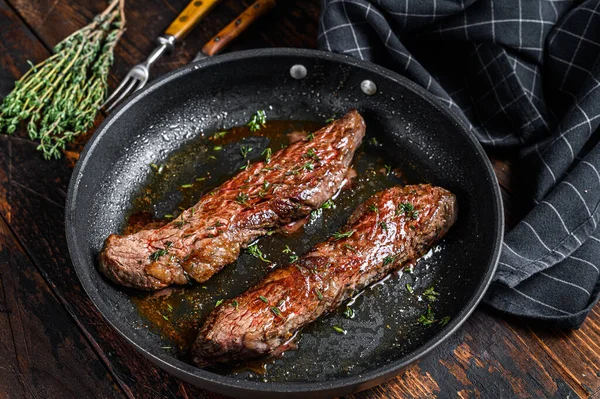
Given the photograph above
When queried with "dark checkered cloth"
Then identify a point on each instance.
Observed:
(525, 76)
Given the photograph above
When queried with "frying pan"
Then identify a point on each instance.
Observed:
(293, 84)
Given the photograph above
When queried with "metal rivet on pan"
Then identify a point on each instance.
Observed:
(368, 87)
(298, 71)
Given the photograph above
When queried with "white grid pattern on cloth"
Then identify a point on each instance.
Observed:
(532, 78)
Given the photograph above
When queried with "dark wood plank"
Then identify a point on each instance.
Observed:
(485, 359)
(46, 244)
(292, 23)
(43, 352)
(488, 357)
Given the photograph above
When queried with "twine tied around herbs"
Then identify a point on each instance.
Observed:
(60, 97)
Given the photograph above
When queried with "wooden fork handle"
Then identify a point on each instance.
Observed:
(237, 26)
(189, 18)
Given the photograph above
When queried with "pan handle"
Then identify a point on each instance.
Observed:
(189, 18)
(237, 26)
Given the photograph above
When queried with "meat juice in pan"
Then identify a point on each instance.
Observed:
(383, 321)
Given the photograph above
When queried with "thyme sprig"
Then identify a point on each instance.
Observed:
(59, 98)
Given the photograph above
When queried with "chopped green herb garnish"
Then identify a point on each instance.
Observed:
(169, 307)
(327, 204)
(219, 135)
(220, 301)
(373, 208)
(388, 259)
(431, 294)
(169, 216)
(200, 178)
(158, 168)
(383, 225)
(373, 141)
(293, 258)
(212, 157)
(428, 318)
(235, 304)
(409, 288)
(186, 185)
(276, 310)
(244, 150)
(308, 166)
(444, 321)
(329, 120)
(312, 154)
(179, 223)
(217, 148)
(388, 169)
(350, 247)
(319, 295)
(157, 254)
(262, 298)
(257, 121)
(165, 317)
(257, 253)
(339, 329)
(265, 189)
(310, 136)
(241, 198)
(267, 153)
(406, 208)
(337, 235)
(244, 167)
(349, 312)
(287, 250)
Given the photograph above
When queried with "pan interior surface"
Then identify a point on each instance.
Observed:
(413, 132)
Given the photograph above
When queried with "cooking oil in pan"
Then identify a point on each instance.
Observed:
(373, 328)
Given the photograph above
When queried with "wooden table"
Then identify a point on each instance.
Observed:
(54, 343)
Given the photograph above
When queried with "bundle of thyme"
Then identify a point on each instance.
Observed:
(60, 97)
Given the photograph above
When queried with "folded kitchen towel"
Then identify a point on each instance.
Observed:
(525, 77)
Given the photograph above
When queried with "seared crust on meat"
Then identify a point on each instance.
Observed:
(263, 197)
(391, 229)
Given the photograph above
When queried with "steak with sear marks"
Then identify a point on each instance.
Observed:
(265, 196)
(388, 231)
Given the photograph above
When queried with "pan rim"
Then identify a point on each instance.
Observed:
(227, 384)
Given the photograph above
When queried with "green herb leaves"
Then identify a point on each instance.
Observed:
(428, 318)
(349, 312)
(257, 253)
(388, 259)
(242, 198)
(339, 330)
(60, 97)
(245, 149)
(319, 295)
(267, 152)
(161, 252)
(406, 208)
(337, 235)
(257, 121)
(431, 294)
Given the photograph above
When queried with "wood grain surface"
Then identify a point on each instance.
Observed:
(55, 344)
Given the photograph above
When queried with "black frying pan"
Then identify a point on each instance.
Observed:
(417, 133)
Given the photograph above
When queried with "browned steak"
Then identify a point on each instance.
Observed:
(391, 229)
(265, 196)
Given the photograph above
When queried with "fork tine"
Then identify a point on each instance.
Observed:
(125, 93)
(117, 90)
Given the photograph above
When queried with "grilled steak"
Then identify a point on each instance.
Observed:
(391, 229)
(265, 196)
